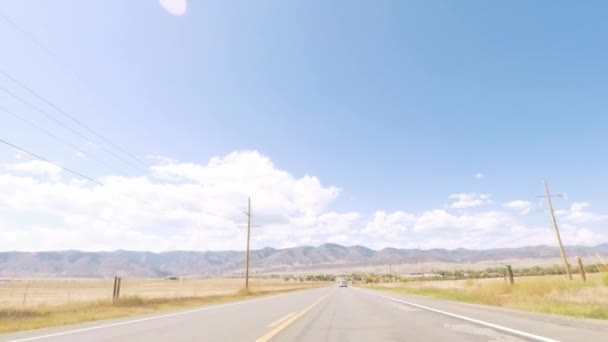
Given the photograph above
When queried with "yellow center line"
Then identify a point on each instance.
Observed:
(280, 320)
(273, 332)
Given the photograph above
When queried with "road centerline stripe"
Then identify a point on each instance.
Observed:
(281, 320)
(465, 318)
(273, 332)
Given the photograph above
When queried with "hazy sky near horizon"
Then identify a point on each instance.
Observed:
(392, 123)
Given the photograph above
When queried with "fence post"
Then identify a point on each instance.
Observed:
(27, 287)
(510, 272)
(118, 288)
(114, 291)
(581, 268)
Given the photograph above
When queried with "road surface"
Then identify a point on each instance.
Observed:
(333, 314)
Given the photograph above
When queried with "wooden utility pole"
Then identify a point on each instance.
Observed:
(249, 226)
(559, 238)
(116, 292)
(581, 268)
(421, 264)
(510, 274)
(248, 238)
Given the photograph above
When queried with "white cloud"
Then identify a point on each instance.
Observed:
(469, 200)
(574, 235)
(175, 7)
(191, 206)
(479, 175)
(523, 207)
(37, 168)
(199, 209)
(579, 206)
(579, 215)
(571, 235)
(442, 220)
(310, 229)
(388, 227)
(336, 223)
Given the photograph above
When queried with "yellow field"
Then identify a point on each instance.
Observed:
(20, 293)
(550, 294)
(37, 303)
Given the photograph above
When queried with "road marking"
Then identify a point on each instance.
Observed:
(139, 320)
(405, 308)
(465, 318)
(272, 333)
(491, 334)
(280, 320)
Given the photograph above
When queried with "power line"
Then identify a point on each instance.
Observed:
(33, 39)
(126, 195)
(48, 161)
(65, 66)
(523, 237)
(65, 142)
(48, 51)
(75, 120)
(59, 122)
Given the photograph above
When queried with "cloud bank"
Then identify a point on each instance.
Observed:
(190, 206)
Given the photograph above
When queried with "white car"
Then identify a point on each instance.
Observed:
(342, 283)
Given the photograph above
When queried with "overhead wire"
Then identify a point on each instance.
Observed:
(75, 132)
(74, 172)
(65, 66)
(63, 141)
(522, 237)
(59, 122)
(72, 118)
(48, 161)
(34, 40)
(101, 138)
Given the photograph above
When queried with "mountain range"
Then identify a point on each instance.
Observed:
(73, 263)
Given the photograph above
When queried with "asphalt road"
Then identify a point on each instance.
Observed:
(333, 314)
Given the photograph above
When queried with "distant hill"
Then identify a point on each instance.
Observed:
(147, 264)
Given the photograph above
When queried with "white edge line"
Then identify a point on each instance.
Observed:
(473, 320)
(70, 332)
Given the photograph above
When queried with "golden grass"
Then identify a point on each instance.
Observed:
(549, 294)
(59, 291)
(156, 295)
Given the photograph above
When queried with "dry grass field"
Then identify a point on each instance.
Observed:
(19, 293)
(37, 303)
(406, 268)
(549, 294)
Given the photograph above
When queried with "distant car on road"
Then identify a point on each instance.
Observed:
(342, 283)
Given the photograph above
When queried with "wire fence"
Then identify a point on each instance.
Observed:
(22, 292)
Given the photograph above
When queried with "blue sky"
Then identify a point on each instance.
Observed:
(396, 103)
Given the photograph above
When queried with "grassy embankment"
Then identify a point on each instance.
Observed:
(41, 315)
(548, 294)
